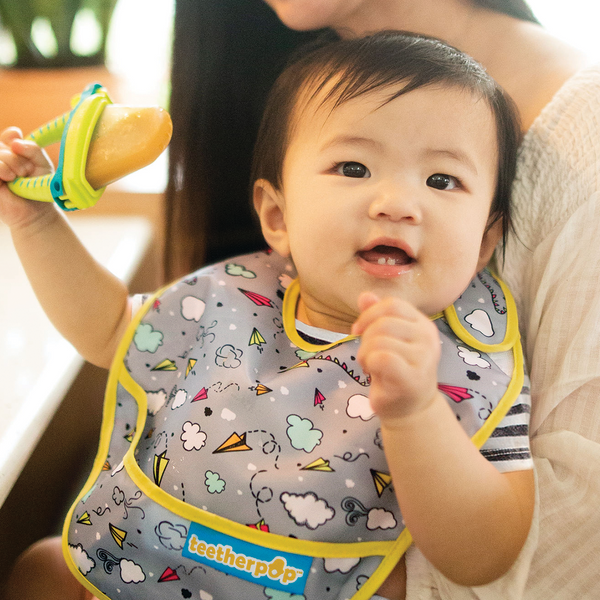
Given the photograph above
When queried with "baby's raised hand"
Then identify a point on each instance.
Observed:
(400, 350)
(20, 158)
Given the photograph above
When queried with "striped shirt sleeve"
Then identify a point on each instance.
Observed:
(508, 446)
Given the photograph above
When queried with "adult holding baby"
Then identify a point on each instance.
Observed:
(551, 263)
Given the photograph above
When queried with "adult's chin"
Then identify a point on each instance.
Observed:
(306, 15)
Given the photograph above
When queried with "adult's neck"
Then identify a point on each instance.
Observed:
(528, 62)
(457, 22)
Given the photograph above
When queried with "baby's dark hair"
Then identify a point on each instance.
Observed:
(402, 62)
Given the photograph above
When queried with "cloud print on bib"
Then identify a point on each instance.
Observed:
(302, 434)
(146, 339)
(131, 572)
(473, 358)
(480, 321)
(307, 509)
(192, 437)
(80, 557)
(359, 406)
(192, 308)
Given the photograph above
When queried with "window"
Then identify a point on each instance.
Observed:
(575, 22)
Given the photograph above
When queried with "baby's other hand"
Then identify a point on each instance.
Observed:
(400, 350)
(20, 158)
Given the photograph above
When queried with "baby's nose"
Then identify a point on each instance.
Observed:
(396, 202)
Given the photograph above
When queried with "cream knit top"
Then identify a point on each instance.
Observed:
(553, 269)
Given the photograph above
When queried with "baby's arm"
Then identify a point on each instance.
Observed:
(469, 520)
(85, 302)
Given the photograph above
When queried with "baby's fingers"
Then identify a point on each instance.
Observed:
(366, 300)
(21, 158)
(372, 348)
(9, 162)
(35, 158)
(373, 309)
(10, 134)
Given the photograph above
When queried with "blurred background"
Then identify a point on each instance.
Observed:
(138, 34)
(49, 50)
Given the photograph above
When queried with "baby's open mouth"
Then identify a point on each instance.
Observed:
(386, 255)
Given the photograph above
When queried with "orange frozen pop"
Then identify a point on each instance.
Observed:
(126, 139)
(100, 143)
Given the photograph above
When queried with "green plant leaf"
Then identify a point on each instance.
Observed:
(18, 17)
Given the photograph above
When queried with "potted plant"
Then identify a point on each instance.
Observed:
(57, 33)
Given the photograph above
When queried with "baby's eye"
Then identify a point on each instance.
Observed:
(353, 169)
(439, 181)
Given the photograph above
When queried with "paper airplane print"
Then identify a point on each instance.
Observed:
(256, 339)
(234, 443)
(165, 365)
(257, 298)
(168, 575)
(458, 394)
(261, 389)
(191, 364)
(319, 398)
(319, 465)
(302, 363)
(160, 464)
(84, 519)
(201, 395)
(381, 480)
(118, 534)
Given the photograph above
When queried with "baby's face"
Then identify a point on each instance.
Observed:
(394, 199)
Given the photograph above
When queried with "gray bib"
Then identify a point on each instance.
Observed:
(238, 460)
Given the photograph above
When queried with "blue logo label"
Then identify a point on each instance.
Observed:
(278, 570)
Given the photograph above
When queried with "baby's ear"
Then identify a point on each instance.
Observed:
(270, 207)
(491, 237)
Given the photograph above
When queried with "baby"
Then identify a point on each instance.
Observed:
(278, 423)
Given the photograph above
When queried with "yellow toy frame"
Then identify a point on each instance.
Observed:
(68, 186)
